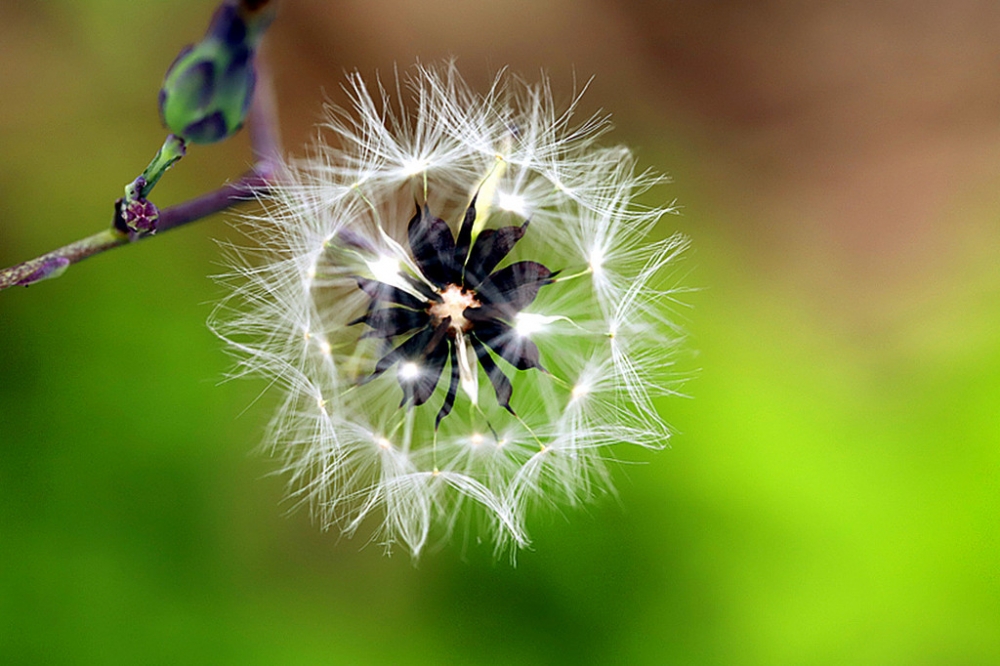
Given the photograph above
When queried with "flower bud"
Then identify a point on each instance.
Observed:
(48, 268)
(207, 91)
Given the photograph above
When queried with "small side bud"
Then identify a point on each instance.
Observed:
(49, 268)
(207, 91)
(133, 212)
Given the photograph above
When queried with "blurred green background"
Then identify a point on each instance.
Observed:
(832, 497)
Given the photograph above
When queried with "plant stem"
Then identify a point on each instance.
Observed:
(54, 263)
(262, 124)
(172, 150)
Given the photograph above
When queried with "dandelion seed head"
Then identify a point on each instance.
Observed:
(436, 251)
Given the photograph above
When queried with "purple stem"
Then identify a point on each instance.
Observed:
(253, 183)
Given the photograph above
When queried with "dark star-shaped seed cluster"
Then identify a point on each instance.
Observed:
(463, 296)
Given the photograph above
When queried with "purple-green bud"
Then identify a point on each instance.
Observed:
(207, 91)
(49, 268)
(138, 214)
(141, 216)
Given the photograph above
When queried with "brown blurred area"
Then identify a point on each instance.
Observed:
(850, 150)
(867, 120)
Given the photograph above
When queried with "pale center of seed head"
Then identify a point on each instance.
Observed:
(454, 301)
